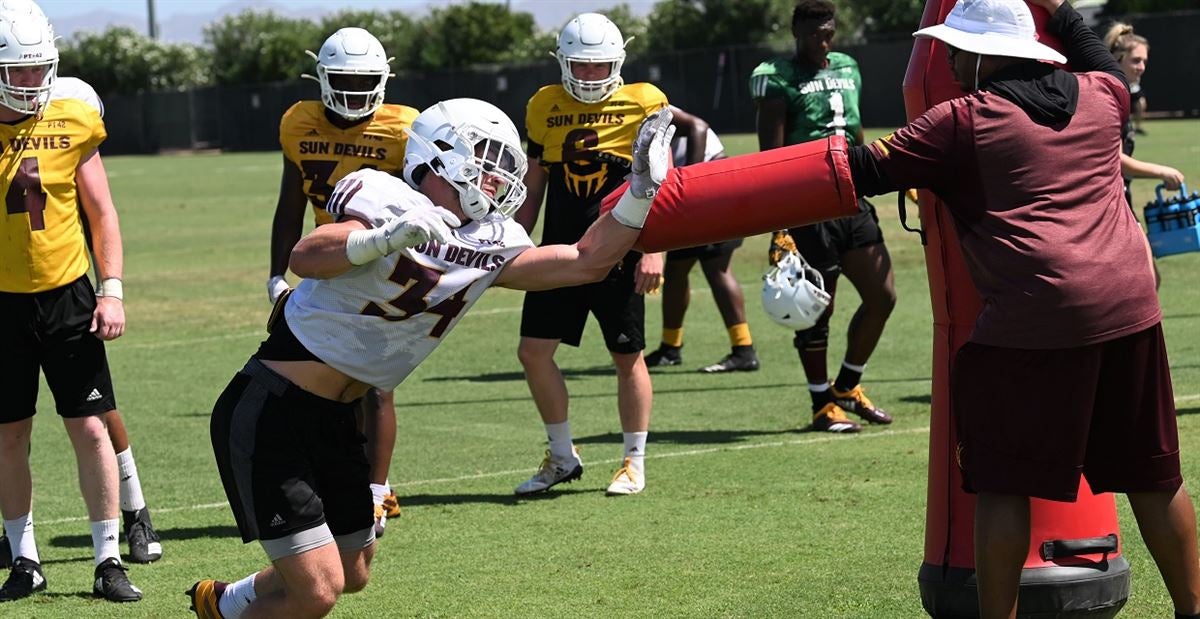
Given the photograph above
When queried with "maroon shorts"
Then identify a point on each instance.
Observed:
(1030, 421)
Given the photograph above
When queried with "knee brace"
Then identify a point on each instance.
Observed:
(815, 339)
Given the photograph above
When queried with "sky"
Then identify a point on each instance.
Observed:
(184, 20)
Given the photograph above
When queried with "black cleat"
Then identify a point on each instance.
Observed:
(5, 553)
(113, 585)
(665, 355)
(24, 580)
(741, 359)
(144, 544)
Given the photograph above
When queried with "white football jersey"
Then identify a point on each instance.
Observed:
(378, 321)
(712, 148)
(75, 88)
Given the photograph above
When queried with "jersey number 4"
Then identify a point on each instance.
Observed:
(25, 194)
(418, 281)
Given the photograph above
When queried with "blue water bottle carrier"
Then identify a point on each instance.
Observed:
(1173, 223)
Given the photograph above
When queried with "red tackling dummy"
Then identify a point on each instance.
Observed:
(709, 202)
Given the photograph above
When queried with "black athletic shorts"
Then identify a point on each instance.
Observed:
(823, 244)
(704, 252)
(561, 314)
(291, 462)
(49, 331)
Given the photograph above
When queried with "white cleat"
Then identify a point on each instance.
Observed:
(627, 480)
(552, 472)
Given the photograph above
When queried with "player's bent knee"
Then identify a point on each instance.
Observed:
(814, 339)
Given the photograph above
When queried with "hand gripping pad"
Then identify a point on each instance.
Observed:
(747, 195)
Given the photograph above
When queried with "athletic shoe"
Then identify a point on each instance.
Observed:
(831, 418)
(391, 505)
(553, 472)
(380, 520)
(626, 480)
(741, 359)
(857, 402)
(665, 355)
(144, 544)
(5, 553)
(112, 584)
(24, 579)
(205, 596)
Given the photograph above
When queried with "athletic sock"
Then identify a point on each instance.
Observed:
(821, 395)
(739, 335)
(559, 435)
(237, 597)
(131, 487)
(20, 537)
(104, 540)
(378, 491)
(635, 449)
(673, 337)
(849, 376)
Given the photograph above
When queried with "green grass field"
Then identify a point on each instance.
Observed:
(743, 515)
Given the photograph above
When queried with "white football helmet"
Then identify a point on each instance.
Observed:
(352, 70)
(474, 146)
(28, 57)
(591, 38)
(793, 293)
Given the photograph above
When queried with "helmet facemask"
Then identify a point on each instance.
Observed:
(591, 38)
(351, 93)
(477, 164)
(31, 99)
(591, 91)
(794, 294)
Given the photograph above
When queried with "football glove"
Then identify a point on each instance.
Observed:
(411, 228)
(651, 160)
(782, 244)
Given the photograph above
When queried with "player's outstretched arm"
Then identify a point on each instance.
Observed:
(335, 248)
(287, 226)
(613, 234)
(91, 180)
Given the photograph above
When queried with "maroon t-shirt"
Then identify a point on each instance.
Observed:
(1051, 246)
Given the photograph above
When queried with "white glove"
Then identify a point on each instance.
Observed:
(411, 228)
(276, 286)
(651, 160)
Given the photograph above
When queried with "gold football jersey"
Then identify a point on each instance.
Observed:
(42, 245)
(325, 153)
(585, 140)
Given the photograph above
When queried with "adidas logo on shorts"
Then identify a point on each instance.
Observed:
(277, 521)
(94, 395)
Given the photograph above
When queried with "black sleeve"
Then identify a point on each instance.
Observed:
(533, 150)
(869, 178)
(1084, 50)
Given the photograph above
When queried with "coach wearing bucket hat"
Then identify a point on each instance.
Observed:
(1066, 370)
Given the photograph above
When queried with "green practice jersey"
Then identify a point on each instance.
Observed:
(820, 103)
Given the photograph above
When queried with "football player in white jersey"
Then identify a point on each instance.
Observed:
(383, 285)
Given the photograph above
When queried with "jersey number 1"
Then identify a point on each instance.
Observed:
(25, 194)
(418, 281)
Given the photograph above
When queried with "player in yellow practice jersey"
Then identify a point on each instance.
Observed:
(349, 129)
(53, 319)
(581, 139)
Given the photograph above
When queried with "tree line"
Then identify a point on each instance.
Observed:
(258, 47)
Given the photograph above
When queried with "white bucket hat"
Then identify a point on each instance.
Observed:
(992, 28)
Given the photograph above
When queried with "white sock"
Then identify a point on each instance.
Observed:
(237, 597)
(559, 435)
(387, 485)
(377, 493)
(857, 368)
(131, 486)
(635, 449)
(20, 537)
(104, 540)
(815, 388)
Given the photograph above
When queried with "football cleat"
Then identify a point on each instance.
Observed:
(112, 584)
(144, 543)
(741, 359)
(553, 472)
(380, 520)
(831, 418)
(665, 355)
(391, 505)
(857, 402)
(24, 579)
(627, 480)
(5, 553)
(206, 596)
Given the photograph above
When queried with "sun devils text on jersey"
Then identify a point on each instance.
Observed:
(403, 304)
(325, 153)
(41, 236)
(586, 147)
